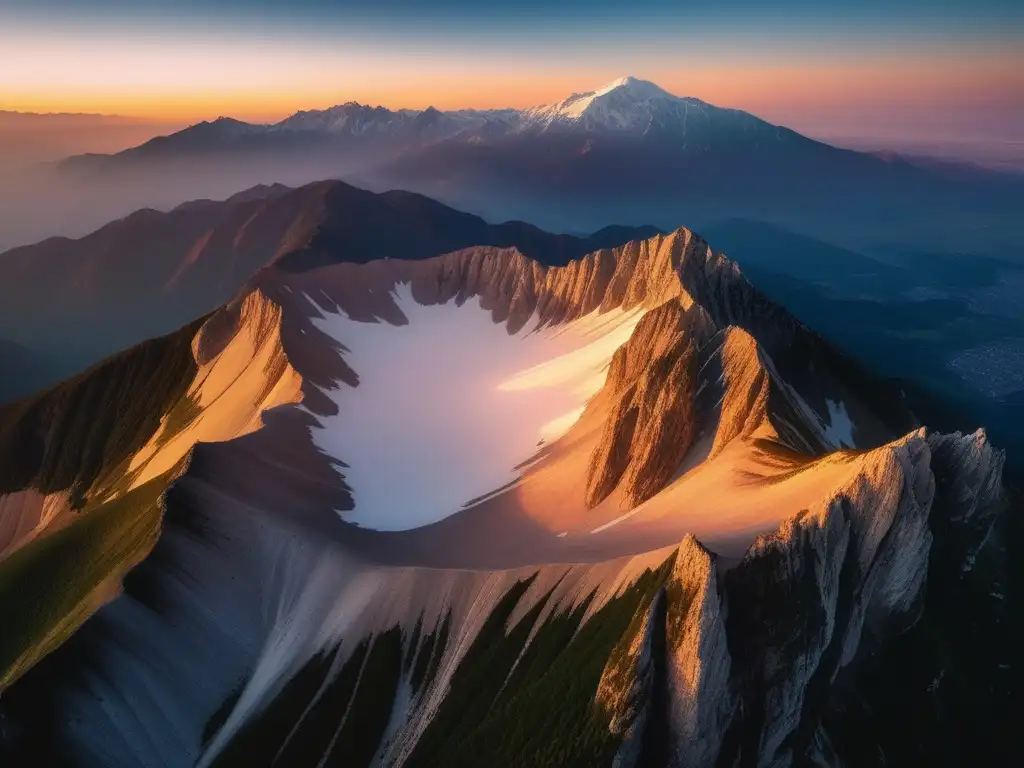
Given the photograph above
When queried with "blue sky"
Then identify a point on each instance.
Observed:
(894, 20)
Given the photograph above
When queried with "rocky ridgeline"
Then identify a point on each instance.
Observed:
(739, 670)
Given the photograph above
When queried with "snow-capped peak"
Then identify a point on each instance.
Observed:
(627, 103)
(635, 88)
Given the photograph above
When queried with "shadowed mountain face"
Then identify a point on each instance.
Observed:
(475, 509)
(22, 370)
(627, 152)
(942, 324)
(74, 301)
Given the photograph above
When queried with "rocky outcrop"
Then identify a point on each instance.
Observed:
(804, 599)
(704, 330)
(626, 688)
(969, 471)
(638, 371)
(697, 664)
(242, 373)
(651, 428)
(515, 288)
(748, 662)
(737, 375)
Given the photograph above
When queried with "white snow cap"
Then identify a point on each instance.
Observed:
(626, 103)
(626, 89)
(635, 87)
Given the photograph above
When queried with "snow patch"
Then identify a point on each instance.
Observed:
(449, 405)
(839, 430)
(627, 103)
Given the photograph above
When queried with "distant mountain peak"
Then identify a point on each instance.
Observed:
(622, 103)
(627, 103)
(635, 87)
(229, 122)
(225, 126)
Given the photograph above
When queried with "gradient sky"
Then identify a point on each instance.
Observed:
(938, 68)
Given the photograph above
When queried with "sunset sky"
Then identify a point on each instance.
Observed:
(937, 68)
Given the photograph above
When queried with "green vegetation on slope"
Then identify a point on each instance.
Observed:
(370, 710)
(260, 739)
(429, 656)
(76, 437)
(319, 727)
(317, 716)
(508, 703)
(185, 411)
(84, 429)
(49, 587)
(544, 713)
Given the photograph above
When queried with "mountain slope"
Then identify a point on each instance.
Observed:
(148, 273)
(645, 518)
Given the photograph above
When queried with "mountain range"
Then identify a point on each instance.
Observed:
(925, 318)
(27, 138)
(476, 509)
(618, 153)
(628, 106)
(315, 475)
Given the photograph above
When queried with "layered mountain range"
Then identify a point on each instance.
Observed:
(628, 151)
(626, 105)
(479, 509)
(150, 272)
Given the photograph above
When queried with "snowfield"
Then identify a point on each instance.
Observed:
(451, 405)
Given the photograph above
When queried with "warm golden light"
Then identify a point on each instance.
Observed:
(170, 78)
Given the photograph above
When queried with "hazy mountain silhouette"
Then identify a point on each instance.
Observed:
(21, 371)
(625, 150)
(152, 271)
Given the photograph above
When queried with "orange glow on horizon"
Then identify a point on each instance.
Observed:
(263, 83)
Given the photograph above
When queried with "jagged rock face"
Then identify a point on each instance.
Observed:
(653, 423)
(627, 684)
(621, 512)
(700, 700)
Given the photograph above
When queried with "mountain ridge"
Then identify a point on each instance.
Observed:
(624, 152)
(354, 118)
(152, 271)
(286, 598)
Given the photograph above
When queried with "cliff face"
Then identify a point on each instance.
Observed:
(652, 423)
(693, 569)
